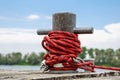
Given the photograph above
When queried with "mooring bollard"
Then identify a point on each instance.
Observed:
(65, 22)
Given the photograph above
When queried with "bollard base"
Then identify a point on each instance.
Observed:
(62, 71)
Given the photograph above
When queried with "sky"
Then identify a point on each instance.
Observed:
(20, 19)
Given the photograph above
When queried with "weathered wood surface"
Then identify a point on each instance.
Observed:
(101, 78)
(37, 75)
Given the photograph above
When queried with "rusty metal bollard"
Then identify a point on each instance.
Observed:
(65, 22)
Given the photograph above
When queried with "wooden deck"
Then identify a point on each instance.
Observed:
(37, 75)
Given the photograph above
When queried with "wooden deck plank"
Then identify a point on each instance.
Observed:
(37, 75)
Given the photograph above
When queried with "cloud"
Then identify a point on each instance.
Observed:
(20, 40)
(30, 17)
(113, 28)
(37, 17)
(33, 17)
(104, 38)
(13, 35)
(27, 40)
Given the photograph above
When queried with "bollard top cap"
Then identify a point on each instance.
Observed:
(61, 13)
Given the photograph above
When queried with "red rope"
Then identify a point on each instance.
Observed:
(108, 68)
(63, 47)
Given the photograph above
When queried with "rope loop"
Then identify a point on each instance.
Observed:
(62, 47)
(62, 43)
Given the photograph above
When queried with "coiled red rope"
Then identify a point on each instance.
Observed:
(63, 47)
